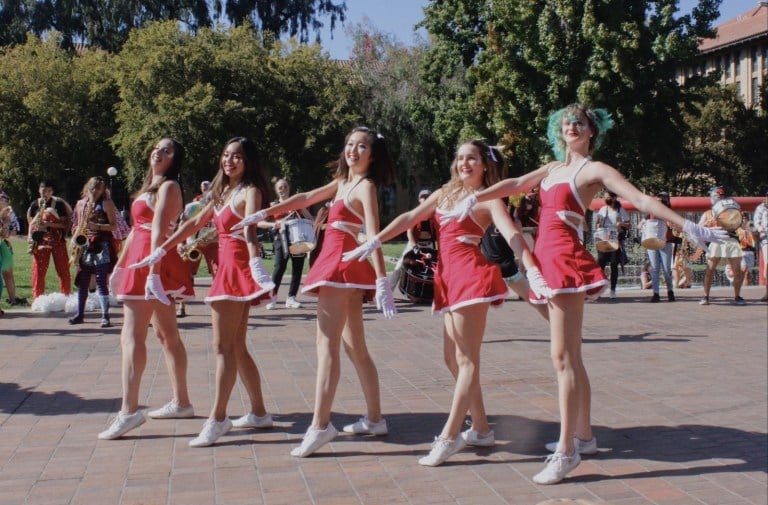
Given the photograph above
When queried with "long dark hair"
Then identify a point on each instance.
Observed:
(382, 170)
(173, 173)
(253, 175)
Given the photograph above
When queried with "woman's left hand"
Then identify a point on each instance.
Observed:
(385, 300)
(537, 283)
(153, 258)
(154, 288)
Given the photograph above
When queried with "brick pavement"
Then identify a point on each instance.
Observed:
(679, 409)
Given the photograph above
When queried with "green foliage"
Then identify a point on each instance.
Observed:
(55, 117)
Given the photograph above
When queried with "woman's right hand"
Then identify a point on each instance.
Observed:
(362, 252)
(154, 289)
(153, 258)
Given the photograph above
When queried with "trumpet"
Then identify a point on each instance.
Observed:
(34, 227)
(192, 251)
(79, 237)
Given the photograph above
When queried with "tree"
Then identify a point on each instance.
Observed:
(292, 17)
(55, 117)
(534, 57)
(206, 88)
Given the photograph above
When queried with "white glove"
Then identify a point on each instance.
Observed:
(385, 300)
(362, 252)
(153, 258)
(154, 287)
(114, 280)
(260, 274)
(537, 283)
(701, 234)
(252, 219)
(460, 211)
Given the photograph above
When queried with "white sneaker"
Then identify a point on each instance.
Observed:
(471, 437)
(364, 426)
(313, 440)
(272, 305)
(442, 449)
(171, 410)
(558, 466)
(122, 424)
(211, 432)
(582, 446)
(613, 294)
(292, 303)
(251, 420)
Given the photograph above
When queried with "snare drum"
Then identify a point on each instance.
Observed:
(654, 234)
(301, 235)
(418, 279)
(727, 212)
(607, 239)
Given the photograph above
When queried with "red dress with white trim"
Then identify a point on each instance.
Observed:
(174, 271)
(566, 265)
(464, 276)
(233, 280)
(340, 236)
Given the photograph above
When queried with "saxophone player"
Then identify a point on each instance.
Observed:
(49, 217)
(95, 218)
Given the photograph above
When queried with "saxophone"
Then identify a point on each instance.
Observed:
(79, 236)
(192, 250)
(34, 227)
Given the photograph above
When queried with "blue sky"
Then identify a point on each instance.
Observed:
(398, 17)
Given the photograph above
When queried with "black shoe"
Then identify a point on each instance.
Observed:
(739, 301)
(20, 301)
(671, 296)
(655, 298)
(76, 320)
(105, 322)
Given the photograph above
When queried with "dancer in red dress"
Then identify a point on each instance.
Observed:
(466, 284)
(363, 165)
(241, 281)
(155, 209)
(569, 270)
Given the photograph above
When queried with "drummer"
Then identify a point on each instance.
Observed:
(280, 243)
(661, 259)
(612, 216)
(729, 250)
(424, 234)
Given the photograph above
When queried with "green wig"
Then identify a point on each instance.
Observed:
(599, 120)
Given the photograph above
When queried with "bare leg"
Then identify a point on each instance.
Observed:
(246, 366)
(709, 275)
(332, 314)
(133, 340)
(227, 318)
(167, 331)
(465, 327)
(353, 337)
(476, 406)
(566, 313)
(738, 277)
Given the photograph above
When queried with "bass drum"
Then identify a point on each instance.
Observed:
(418, 279)
(727, 214)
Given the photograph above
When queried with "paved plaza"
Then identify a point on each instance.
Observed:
(679, 410)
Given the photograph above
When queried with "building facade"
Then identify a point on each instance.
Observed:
(740, 52)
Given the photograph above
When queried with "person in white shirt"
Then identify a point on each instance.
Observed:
(761, 224)
(613, 216)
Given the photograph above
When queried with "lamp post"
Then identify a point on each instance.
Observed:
(111, 172)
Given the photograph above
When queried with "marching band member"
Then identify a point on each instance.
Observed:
(281, 241)
(49, 217)
(146, 293)
(241, 281)
(466, 285)
(363, 166)
(94, 220)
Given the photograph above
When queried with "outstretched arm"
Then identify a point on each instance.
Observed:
(515, 185)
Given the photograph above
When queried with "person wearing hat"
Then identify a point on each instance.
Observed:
(49, 218)
(760, 219)
(729, 250)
